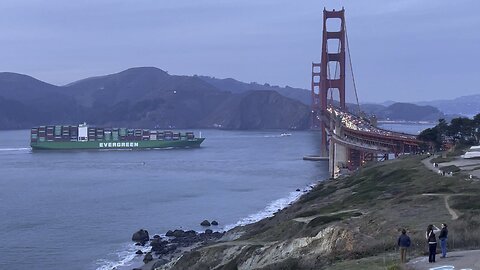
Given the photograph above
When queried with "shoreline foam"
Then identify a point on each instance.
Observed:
(129, 255)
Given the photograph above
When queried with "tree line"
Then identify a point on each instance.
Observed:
(461, 130)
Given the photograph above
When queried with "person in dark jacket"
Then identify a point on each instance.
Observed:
(432, 242)
(443, 240)
(404, 244)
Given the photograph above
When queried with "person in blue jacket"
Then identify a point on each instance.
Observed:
(443, 239)
(404, 243)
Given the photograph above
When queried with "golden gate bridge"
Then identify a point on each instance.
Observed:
(349, 140)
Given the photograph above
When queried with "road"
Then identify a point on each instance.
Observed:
(460, 260)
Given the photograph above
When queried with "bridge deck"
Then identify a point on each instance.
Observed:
(360, 128)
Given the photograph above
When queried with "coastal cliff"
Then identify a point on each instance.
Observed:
(347, 223)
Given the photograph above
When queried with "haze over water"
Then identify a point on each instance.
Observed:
(78, 210)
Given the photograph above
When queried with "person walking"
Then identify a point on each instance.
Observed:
(443, 240)
(404, 244)
(432, 242)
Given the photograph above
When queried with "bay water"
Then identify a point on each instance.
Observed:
(79, 209)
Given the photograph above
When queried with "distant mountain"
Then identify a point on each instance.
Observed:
(465, 105)
(150, 97)
(145, 97)
(403, 112)
(25, 101)
(235, 86)
(426, 110)
(260, 110)
(411, 112)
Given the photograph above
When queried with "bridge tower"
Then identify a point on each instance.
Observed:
(323, 82)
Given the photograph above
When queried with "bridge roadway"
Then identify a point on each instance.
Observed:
(354, 141)
(359, 131)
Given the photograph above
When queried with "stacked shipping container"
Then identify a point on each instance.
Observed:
(71, 133)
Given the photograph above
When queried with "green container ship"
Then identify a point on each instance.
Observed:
(86, 137)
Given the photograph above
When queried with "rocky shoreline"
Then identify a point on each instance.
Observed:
(170, 247)
(175, 243)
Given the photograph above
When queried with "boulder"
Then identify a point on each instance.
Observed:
(156, 236)
(141, 236)
(178, 233)
(155, 242)
(214, 223)
(169, 233)
(139, 252)
(208, 231)
(158, 245)
(297, 189)
(218, 234)
(205, 223)
(148, 257)
(190, 233)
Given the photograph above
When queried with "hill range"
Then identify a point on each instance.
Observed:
(150, 97)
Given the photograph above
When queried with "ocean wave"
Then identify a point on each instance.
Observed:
(127, 255)
(270, 209)
(124, 257)
(16, 149)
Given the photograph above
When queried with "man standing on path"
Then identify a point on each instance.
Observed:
(403, 243)
(443, 240)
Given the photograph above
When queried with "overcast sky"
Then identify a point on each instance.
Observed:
(402, 50)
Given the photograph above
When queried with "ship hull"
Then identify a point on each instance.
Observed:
(106, 145)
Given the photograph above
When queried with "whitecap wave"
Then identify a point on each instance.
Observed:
(124, 257)
(127, 255)
(270, 209)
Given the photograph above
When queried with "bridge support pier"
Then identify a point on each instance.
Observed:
(338, 154)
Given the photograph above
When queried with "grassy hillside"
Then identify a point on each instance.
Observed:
(342, 221)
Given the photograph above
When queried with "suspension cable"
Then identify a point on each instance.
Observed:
(329, 77)
(351, 68)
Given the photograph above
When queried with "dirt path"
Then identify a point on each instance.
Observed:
(429, 165)
(452, 212)
(310, 218)
(468, 166)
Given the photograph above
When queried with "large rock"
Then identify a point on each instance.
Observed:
(141, 236)
(190, 233)
(205, 223)
(148, 257)
(214, 223)
(158, 245)
(218, 234)
(178, 233)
